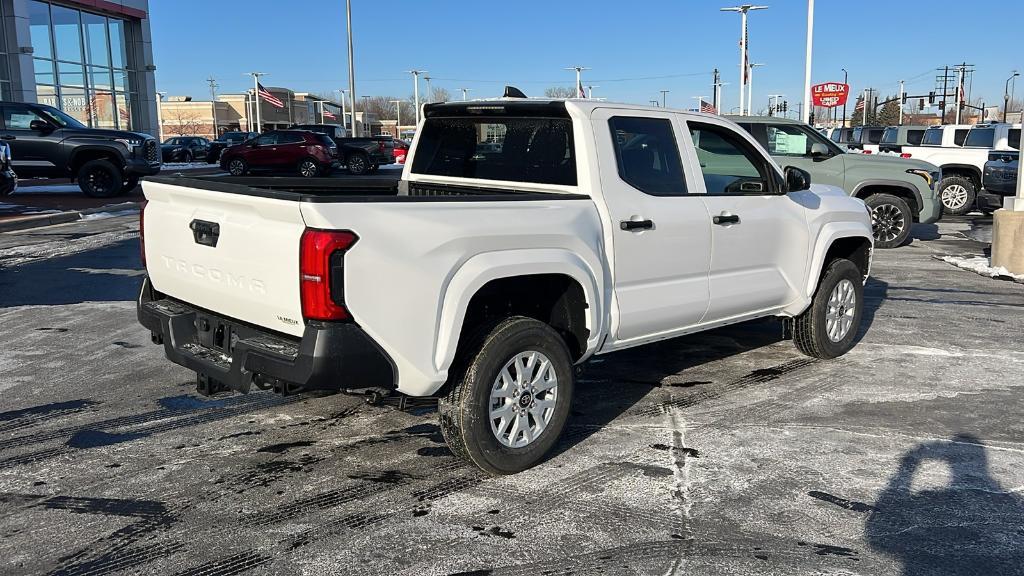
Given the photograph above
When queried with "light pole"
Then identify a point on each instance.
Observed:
(256, 95)
(901, 104)
(160, 116)
(664, 101)
(344, 121)
(430, 93)
(1006, 93)
(464, 92)
(846, 81)
(590, 91)
(366, 124)
(805, 111)
(750, 89)
(398, 118)
(579, 80)
(743, 9)
(351, 68)
(213, 102)
(416, 91)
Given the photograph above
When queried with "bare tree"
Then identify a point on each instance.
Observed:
(560, 92)
(438, 94)
(184, 123)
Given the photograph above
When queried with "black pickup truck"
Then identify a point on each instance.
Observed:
(47, 142)
(360, 155)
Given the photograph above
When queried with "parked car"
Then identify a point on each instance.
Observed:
(841, 136)
(184, 149)
(894, 138)
(898, 192)
(359, 155)
(961, 153)
(46, 142)
(225, 141)
(8, 179)
(673, 223)
(999, 180)
(865, 139)
(307, 153)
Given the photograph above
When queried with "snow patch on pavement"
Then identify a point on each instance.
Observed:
(186, 166)
(51, 189)
(102, 215)
(981, 265)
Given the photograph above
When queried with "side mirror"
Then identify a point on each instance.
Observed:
(818, 150)
(40, 126)
(797, 179)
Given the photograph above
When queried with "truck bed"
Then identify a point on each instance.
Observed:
(353, 189)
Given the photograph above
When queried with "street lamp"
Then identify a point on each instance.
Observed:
(579, 79)
(416, 91)
(465, 91)
(805, 110)
(750, 88)
(590, 91)
(664, 93)
(743, 9)
(159, 116)
(1006, 93)
(398, 118)
(846, 81)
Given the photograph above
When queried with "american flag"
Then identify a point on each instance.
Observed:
(579, 90)
(266, 95)
(329, 115)
(860, 105)
(746, 56)
(707, 107)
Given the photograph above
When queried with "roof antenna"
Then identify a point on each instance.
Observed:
(513, 92)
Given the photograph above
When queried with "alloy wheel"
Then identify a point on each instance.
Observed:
(886, 222)
(954, 197)
(842, 307)
(522, 400)
(308, 168)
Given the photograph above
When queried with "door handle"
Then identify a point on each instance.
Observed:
(725, 219)
(8, 137)
(632, 225)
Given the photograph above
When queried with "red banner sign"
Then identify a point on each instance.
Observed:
(829, 94)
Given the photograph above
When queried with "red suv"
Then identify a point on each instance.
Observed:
(308, 153)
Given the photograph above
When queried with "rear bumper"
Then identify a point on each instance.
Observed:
(329, 356)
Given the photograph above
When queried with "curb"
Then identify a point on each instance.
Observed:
(40, 220)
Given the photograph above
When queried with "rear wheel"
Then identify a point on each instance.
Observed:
(829, 326)
(957, 194)
(891, 220)
(129, 185)
(357, 164)
(187, 157)
(509, 396)
(237, 167)
(100, 179)
(309, 168)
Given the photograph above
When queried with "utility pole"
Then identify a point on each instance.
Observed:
(464, 92)
(743, 9)
(590, 91)
(256, 96)
(416, 91)
(344, 121)
(579, 79)
(864, 119)
(750, 88)
(846, 80)
(1006, 93)
(901, 104)
(398, 118)
(653, 103)
(716, 85)
(430, 93)
(664, 95)
(805, 111)
(351, 66)
(959, 91)
(945, 81)
(213, 102)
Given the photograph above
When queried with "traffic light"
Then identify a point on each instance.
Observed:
(920, 104)
(931, 98)
(904, 99)
(811, 120)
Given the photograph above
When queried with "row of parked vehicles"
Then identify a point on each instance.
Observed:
(966, 155)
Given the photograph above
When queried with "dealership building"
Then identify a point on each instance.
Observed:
(93, 59)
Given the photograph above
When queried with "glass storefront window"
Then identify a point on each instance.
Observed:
(118, 44)
(96, 49)
(71, 75)
(101, 109)
(39, 28)
(67, 33)
(74, 102)
(47, 95)
(99, 78)
(124, 109)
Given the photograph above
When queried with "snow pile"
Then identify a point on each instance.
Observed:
(50, 189)
(186, 165)
(981, 265)
(103, 215)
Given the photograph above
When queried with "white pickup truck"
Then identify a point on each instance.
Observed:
(523, 238)
(961, 152)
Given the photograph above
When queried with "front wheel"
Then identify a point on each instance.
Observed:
(957, 195)
(829, 326)
(100, 179)
(509, 396)
(309, 168)
(890, 220)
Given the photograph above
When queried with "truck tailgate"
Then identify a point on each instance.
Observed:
(236, 255)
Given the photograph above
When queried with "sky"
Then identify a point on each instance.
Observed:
(634, 49)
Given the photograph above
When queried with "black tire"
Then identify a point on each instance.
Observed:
(374, 168)
(810, 329)
(464, 412)
(237, 167)
(100, 179)
(129, 184)
(308, 168)
(958, 195)
(891, 220)
(212, 157)
(357, 164)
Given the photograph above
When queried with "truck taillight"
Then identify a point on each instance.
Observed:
(142, 234)
(905, 155)
(322, 273)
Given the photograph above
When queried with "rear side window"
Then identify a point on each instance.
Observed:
(535, 150)
(960, 136)
(290, 138)
(932, 137)
(914, 137)
(981, 137)
(268, 139)
(1013, 138)
(874, 135)
(890, 136)
(647, 155)
(325, 140)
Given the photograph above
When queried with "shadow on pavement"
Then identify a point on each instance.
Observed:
(973, 525)
(110, 274)
(925, 232)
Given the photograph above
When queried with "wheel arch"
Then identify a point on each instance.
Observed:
(969, 170)
(83, 154)
(840, 240)
(903, 190)
(535, 283)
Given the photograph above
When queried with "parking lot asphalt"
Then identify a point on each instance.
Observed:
(720, 453)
